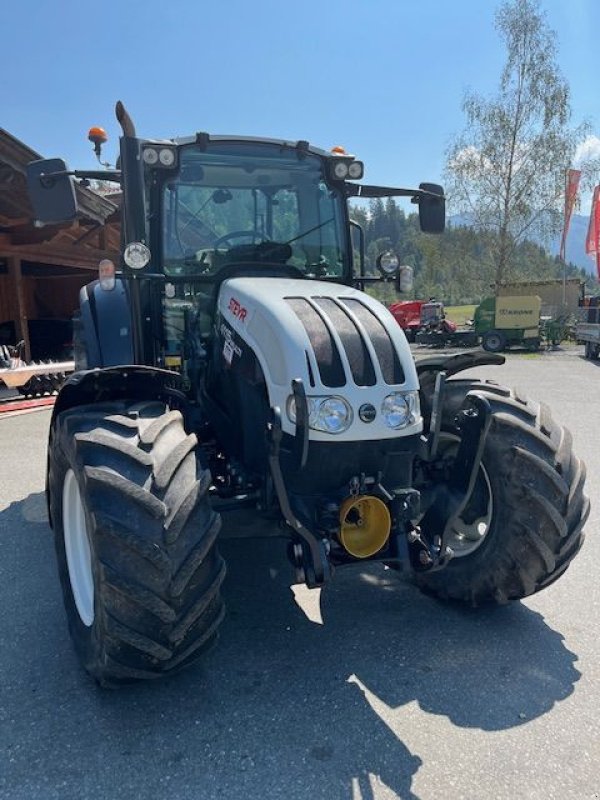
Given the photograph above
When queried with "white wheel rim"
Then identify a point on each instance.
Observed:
(77, 548)
(465, 537)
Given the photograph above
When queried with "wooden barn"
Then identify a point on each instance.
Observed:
(42, 268)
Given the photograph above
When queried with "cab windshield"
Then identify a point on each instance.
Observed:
(252, 203)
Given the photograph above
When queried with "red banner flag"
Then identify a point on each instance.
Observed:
(592, 242)
(571, 186)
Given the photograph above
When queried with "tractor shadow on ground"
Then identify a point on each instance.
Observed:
(594, 362)
(284, 706)
(489, 668)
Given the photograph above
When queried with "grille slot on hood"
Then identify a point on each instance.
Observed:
(360, 334)
(391, 369)
(353, 343)
(323, 343)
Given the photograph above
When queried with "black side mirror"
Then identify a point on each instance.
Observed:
(51, 191)
(432, 208)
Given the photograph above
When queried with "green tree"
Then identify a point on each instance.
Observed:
(506, 171)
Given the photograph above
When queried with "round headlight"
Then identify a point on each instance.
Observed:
(398, 409)
(387, 263)
(150, 156)
(333, 416)
(356, 170)
(327, 414)
(167, 156)
(340, 170)
(136, 255)
(313, 407)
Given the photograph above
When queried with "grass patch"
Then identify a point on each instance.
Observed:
(460, 314)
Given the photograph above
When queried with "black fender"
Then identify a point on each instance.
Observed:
(132, 382)
(106, 325)
(429, 367)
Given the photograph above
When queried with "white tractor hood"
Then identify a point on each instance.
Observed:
(339, 341)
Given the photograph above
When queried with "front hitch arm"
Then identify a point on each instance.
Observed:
(452, 497)
(301, 438)
(316, 565)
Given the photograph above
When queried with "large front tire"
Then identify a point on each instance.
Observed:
(135, 540)
(530, 506)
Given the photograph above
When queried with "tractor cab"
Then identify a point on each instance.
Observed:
(256, 203)
(432, 314)
(201, 209)
(237, 208)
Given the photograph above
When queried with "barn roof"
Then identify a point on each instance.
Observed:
(81, 243)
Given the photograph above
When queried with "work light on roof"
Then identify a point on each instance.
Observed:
(166, 156)
(356, 170)
(340, 170)
(345, 167)
(159, 156)
(150, 156)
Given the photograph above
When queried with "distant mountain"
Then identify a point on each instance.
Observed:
(575, 250)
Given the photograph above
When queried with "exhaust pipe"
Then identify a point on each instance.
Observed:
(124, 120)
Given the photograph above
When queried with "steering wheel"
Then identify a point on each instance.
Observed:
(253, 235)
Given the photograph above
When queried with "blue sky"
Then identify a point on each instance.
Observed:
(385, 78)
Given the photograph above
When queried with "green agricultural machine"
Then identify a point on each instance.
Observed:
(504, 322)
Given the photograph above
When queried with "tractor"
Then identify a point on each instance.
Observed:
(230, 366)
(407, 314)
(438, 331)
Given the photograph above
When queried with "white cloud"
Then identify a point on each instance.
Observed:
(469, 158)
(587, 150)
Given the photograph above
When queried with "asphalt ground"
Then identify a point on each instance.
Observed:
(393, 695)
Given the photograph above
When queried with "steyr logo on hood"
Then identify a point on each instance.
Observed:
(237, 309)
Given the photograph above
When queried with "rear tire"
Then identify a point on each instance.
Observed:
(133, 526)
(591, 351)
(537, 508)
(588, 350)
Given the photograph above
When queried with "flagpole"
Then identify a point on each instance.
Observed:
(572, 177)
(592, 241)
(563, 243)
(565, 216)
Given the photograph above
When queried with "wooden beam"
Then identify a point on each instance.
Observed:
(80, 258)
(7, 222)
(91, 274)
(89, 234)
(16, 284)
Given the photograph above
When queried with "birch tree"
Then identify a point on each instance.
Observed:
(506, 171)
